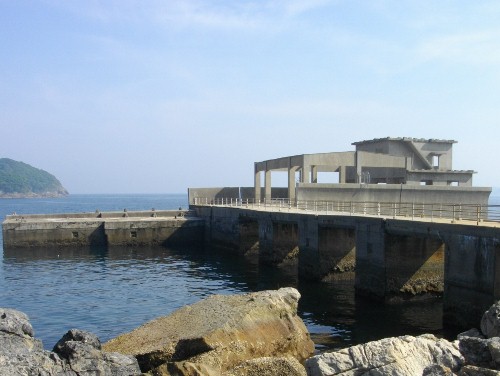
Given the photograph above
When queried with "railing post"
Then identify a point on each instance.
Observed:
(378, 209)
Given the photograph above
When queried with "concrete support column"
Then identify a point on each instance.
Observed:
(265, 239)
(342, 175)
(267, 183)
(305, 174)
(370, 258)
(257, 187)
(472, 277)
(291, 183)
(314, 178)
(359, 167)
(309, 258)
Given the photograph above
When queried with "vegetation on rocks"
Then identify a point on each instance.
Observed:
(18, 179)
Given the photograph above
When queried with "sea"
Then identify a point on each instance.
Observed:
(112, 291)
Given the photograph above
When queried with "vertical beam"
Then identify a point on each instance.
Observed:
(342, 175)
(257, 186)
(472, 277)
(314, 173)
(305, 174)
(267, 183)
(370, 258)
(291, 183)
(359, 166)
(309, 259)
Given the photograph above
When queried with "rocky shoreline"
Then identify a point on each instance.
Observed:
(242, 335)
(35, 195)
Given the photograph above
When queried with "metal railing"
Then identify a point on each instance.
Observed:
(415, 211)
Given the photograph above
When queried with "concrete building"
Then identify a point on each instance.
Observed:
(387, 161)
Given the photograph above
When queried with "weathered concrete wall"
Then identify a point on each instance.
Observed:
(370, 258)
(77, 233)
(280, 241)
(337, 252)
(244, 193)
(393, 193)
(249, 236)
(154, 232)
(472, 276)
(414, 264)
(87, 230)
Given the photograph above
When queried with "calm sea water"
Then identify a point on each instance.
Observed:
(109, 292)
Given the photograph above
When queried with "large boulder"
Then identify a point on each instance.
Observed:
(77, 353)
(490, 322)
(219, 333)
(404, 355)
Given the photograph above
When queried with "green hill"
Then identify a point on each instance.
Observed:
(18, 179)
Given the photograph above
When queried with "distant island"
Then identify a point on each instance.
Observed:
(20, 180)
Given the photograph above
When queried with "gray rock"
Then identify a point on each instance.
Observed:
(477, 371)
(475, 351)
(475, 333)
(494, 348)
(490, 322)
(405, 355)
(78, 353)
(20, 353)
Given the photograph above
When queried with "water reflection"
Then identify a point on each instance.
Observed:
(110, 291)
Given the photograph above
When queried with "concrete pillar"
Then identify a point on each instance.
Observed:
(267, 183)
(257, 186)
(359, 167)
(472, 277)
(309, 259)
(342, 174)
(370, 258)
(305, 174)
(314, 177)
(291, 184)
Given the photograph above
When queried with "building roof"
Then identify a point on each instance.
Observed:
(406, 139)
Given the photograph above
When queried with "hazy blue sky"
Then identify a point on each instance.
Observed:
(156, 96)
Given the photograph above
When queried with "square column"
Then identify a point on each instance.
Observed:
(291, 184)
(305, 174)
(314, 178)
(256, 184)
(267, 183)
(342, 175)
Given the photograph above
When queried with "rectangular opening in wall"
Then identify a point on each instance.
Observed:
(329, 177)
(133, 234)
(453, 183)
(75, 234)
(435, 161)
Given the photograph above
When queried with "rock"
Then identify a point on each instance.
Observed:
(82, 350)
(20, 353)
(477, 371)
(475, 351)
(404, 355)
(219, 333)
(279, 366)
(77, 353)
(490, 322)
(475, 333)
(437, 370)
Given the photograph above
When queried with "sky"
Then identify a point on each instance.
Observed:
(151, 96)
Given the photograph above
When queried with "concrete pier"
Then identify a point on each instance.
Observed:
(387, 257)
(102, 229)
